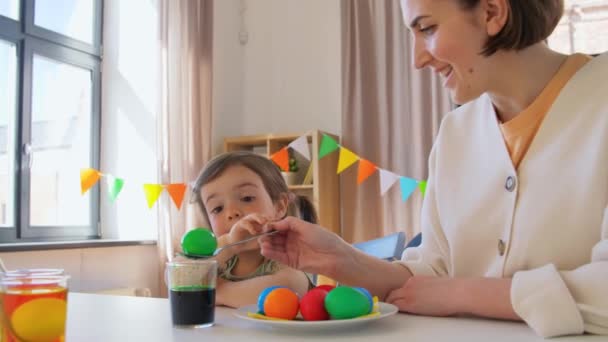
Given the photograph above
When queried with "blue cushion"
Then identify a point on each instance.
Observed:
(387, 247)
(415, 241)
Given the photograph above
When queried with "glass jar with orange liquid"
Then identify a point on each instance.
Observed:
(26, 272)
(33, 307)
(20, 273)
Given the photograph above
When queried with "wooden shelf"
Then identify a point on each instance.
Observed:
(301, 187)
(324, 176)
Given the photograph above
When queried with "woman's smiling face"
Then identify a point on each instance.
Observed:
(449, 40)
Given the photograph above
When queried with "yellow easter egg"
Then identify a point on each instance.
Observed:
(40, 320)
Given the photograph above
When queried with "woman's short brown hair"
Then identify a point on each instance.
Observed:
(529, 22)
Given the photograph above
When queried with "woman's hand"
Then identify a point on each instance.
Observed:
(303, 246)
(429, 296)
(436, 296)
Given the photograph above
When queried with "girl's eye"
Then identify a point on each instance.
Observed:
(248, 198)
(216, 210)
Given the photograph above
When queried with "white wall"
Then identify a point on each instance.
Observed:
(95, 269)
(227, 71)
(287, 77)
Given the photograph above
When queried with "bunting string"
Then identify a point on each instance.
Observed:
(347, 158)
(366, 168)
(89, 177)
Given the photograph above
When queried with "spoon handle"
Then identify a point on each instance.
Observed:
(219, 250)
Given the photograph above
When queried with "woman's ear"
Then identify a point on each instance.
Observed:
(496, 15)
(282, 205)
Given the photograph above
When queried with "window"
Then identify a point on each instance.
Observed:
(583, 28)
(50, 73)
(10, 9)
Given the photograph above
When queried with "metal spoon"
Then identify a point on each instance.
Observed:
(221, 249)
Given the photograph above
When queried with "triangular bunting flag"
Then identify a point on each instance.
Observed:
(366, 169)
(328, 145)
(301, 146)
(152, 191)
(387, 179)
(281, 158)
(88, 178)
(422, 187)
(347, 158)
(114, 187)
(177, 191)
(408, 186)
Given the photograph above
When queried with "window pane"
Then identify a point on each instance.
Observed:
(8, 85)
(61, 143)
(10, 8)
(583, 28)
(73, 18)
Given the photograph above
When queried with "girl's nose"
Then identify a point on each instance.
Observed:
(234, 214)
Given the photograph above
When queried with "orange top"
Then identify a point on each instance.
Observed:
(520, 131)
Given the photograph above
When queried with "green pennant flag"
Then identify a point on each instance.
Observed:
(328, 145)
(422, 187)
(114, 187)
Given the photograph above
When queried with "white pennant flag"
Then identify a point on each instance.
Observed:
(301, 146)
(387, 179)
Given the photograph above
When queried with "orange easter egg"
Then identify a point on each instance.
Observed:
(281, 303)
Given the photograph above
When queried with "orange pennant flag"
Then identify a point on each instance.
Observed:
(177, 191)
(281, 158)
(366, 169)
(88, 178)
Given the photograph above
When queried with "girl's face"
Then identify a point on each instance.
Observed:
(235, 193)
(449, 40)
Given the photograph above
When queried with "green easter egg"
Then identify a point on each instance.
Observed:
(345, 302)
(199, 241)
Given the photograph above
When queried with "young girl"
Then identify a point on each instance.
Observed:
(239, 193)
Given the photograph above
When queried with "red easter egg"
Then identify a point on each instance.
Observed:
(281, 303)
(312, 305)
(325, 287)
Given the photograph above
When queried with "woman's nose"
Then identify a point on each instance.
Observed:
(421, 56)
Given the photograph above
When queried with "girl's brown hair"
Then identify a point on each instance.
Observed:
(529, 22)
(269, 173)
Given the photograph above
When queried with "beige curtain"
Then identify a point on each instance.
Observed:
(391, 114)
(184, 133)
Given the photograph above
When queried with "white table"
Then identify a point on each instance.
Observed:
(93, 317)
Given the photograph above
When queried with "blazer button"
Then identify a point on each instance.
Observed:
(501, 247)
(510, 183)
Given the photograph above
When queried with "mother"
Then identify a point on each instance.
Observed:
(515, 218)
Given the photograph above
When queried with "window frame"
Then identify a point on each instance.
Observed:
(46, 34)
(9, 232)
(31, 40)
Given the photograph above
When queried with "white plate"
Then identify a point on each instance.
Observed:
(386, 310)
